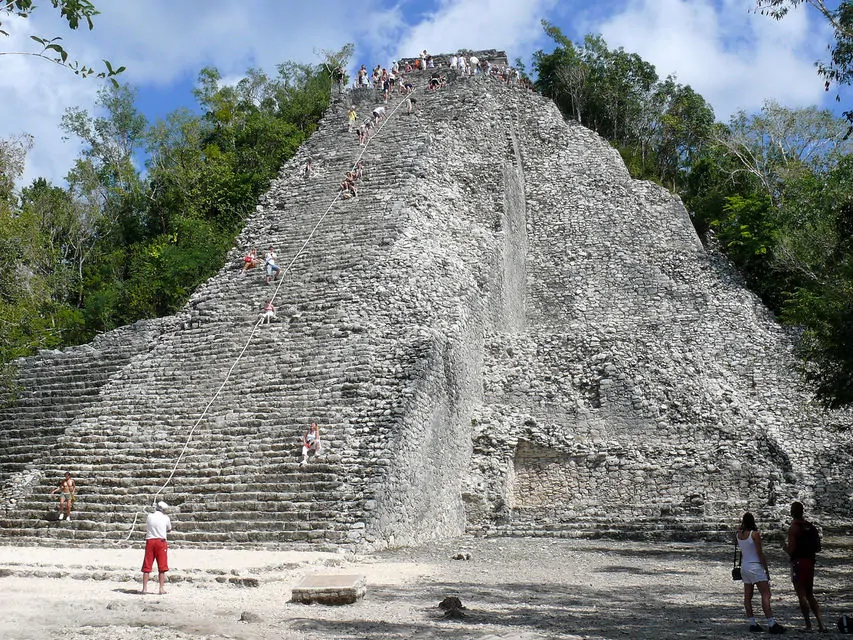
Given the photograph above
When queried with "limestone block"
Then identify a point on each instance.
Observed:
(330, 589)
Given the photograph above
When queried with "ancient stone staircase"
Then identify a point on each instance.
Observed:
(239, 480)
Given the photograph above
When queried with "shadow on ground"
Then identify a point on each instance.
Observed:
(680, 593)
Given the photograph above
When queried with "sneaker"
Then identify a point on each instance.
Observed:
(62, 516)
(68, 519)
(756, 627)
(776, 628)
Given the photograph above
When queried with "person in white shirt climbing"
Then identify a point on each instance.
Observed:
(272, 268)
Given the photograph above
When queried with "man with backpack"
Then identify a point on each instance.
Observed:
(803, 544)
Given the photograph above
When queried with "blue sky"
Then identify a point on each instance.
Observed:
(734, 58)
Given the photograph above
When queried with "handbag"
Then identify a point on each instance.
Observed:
(736, 563)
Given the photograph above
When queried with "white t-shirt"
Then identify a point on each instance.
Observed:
(157, 525)
(379, 111)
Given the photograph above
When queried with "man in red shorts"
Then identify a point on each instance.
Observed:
(803, 544)
(157, 526)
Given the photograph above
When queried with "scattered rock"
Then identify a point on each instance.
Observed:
(449, 603)
(248, 616)
(244, 582)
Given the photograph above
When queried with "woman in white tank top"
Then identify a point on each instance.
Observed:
(754, 573)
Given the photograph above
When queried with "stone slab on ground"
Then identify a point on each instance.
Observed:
(330, 589)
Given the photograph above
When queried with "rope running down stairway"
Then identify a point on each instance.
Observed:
(255, 327)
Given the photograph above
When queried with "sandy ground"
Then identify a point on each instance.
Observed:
(511, 588)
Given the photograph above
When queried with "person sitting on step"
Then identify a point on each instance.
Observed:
(250, 260)
(310, 442)
(348, 186)
(268, 314)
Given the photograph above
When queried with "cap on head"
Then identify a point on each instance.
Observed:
(162, 506)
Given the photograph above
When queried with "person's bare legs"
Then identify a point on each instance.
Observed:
(764, 590)
(145, 583)
(748, 590)
(162, 582)
(61, 507)
(808, 602)
(68, 509)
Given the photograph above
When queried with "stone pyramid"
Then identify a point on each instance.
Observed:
(503, 334)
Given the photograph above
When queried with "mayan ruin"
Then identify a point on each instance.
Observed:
(487, 344)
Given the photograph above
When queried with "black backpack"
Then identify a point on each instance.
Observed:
(809, 542)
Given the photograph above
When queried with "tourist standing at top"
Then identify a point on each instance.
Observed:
(67, 495)
(754, 573)
(803, 544)
(157, 525)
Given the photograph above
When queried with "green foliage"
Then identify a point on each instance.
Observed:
(747, 231)
(335, 63)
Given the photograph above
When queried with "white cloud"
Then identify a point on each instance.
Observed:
(734, 58)
(511, 25)
(35, 94)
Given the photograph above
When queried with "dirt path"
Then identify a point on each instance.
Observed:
(512, 588)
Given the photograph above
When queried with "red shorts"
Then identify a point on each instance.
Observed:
(155, 549)
(802, 572)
